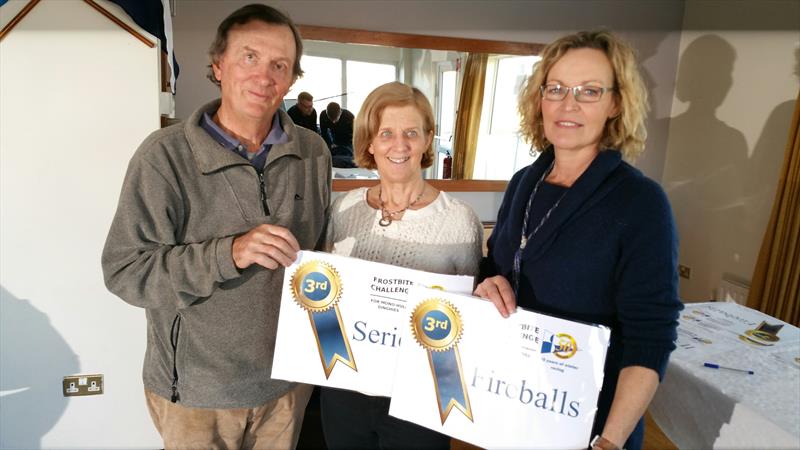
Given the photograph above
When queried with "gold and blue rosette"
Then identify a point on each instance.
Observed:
(317, 288)
(437, 327)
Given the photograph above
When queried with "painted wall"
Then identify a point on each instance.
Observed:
(734, 98)
(78, 96)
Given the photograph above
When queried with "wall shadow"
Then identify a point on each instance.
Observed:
(766, 161)
(33, 359)
(706, 162)
(653, 50)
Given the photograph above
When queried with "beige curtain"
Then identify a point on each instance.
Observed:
(775, 289)
(465, 137)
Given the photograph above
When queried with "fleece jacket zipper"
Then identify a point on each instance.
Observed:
(173, 338)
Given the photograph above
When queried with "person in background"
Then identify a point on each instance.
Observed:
(403, 221)
(336, 127)
(583, 235)
(210, 213)
(303, 113)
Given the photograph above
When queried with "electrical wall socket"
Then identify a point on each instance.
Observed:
(684, 271)
(75, 385)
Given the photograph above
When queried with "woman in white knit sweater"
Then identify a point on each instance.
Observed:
(402, 221)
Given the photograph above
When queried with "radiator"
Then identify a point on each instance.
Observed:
(732, 290)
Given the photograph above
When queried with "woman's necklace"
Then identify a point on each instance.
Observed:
(386, 215)
(525, 238)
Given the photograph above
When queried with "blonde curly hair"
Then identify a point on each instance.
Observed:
(625, 131)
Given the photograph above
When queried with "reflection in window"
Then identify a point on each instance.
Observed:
(501, 151)
(446, 118)
(322, 79)
(363, 78)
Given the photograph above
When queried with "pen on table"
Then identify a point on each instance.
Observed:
(717, 366)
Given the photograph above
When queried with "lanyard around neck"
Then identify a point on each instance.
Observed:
(523, 242)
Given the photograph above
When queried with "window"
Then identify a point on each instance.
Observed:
(446, 115)
(363, 78)
(322, 79)
(501, 151)
(328, 79)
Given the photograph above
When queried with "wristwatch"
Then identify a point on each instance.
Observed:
(601, 443)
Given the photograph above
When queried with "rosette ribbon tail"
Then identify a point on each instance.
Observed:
(449, 383)
(331, 341)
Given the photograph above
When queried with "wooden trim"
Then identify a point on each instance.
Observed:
(470, 185)
(351, 36)
(17, 19)
(343, 185)
(121, 24)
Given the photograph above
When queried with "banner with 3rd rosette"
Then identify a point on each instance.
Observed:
(472, 373)
(341, 320)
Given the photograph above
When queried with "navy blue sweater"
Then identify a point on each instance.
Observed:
(606, 255)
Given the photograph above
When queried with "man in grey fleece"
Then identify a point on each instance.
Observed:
(211, 211)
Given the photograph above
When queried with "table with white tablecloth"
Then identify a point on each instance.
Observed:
(700, 407)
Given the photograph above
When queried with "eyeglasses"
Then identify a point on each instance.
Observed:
(582, 94)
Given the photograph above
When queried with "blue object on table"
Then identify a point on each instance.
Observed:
(717, 366)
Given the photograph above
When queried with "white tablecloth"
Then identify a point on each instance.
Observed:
(699, 407)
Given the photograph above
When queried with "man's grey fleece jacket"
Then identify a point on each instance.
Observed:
(210, 327)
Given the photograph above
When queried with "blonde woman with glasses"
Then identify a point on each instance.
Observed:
(583, 235)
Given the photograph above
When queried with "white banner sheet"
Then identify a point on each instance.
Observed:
(527, 381)
(341, 320)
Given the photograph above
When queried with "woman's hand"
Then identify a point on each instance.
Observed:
(636, 386)
(498, 290)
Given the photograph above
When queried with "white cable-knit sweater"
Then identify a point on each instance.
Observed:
(443, 237)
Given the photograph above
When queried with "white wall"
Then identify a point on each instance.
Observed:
(78, 96)
(733, 104)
